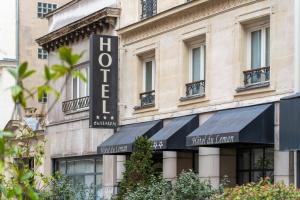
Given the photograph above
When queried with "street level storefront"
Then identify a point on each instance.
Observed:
(237, 143)
(168, 143)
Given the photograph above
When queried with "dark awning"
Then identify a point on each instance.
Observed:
(250, 125)
(289, 130)
(121, 142)
(172, 136)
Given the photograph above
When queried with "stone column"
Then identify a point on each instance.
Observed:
(170, 165)
(209, 165)
(109, 175)
(120, 167)
(283, 161)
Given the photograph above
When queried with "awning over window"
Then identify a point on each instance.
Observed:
(250, 125)
(289, 131)
(173, 135)
(121, 142)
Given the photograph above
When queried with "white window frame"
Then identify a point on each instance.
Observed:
(153, 72)
(43, 53)
(202, 60)
(263, 29)
(41, 14)
(79, 81)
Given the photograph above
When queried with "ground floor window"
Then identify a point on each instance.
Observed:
(254, 164)
(83, 170)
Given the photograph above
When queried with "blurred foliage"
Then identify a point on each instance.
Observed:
(18, 180)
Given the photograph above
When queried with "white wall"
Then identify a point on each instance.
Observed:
(6, 103)
(8, 29)
(78, 11)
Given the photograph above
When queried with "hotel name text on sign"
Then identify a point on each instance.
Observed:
(103, 81)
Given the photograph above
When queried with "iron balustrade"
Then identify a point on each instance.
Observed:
(76, 104)
(149, 8)
(195, 88)
(147, 98)
(259, 75)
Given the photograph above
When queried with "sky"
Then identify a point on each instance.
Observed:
(7, 29)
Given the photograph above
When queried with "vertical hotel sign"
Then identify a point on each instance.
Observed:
(103, 81)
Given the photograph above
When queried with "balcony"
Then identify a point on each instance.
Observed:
(147, 99)
(195, 88)
(255, 78)
(76, 105)
(149, 8)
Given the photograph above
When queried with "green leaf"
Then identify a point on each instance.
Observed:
(47, 73)
(32, 195)
(27, 74)
(42, 90)
(13, 72)
(16, 90)
(17, 190)
(59, 70)
(74, 59)
(77, 73)
(28, 175)
(22, 69)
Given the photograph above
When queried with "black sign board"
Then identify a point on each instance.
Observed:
(103, 81)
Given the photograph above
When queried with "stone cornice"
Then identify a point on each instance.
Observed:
(79, 29)
(177, 17)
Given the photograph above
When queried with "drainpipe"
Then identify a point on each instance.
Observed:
(296, 79)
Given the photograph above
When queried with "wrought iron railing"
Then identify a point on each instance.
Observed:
(75, 104)
(149, 8)
(195, 88)
(147, 98)
(254, 76)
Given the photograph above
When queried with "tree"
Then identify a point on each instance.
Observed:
(17, 182)
(138, 168)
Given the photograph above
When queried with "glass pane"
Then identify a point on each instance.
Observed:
(148, 76)
(81, 166)
(269, 158)
(257, 159)
(99, 190)
(267, 47)
(256, 49)
(256, 176)
(87, 81)
(243, 177)
(99, 166)
(243, 159)
(61, 167)
(196, 64)
(82, 84)
(75, 95)
(54, 6)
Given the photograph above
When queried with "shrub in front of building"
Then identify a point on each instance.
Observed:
(138, 168)
(190, 186)
(263, 190)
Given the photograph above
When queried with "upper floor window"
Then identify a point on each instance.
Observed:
(44, 8)
(43, 98)
(149, 71)
(42, 53)
(80, 88)
(149, 8)
(258, 55)
(196, 83)
(259, 45)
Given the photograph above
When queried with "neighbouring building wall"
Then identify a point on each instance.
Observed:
(7, 58)
(32, 26)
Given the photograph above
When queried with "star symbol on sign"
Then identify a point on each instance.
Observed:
(112, 117)
(155, 145)
(160, 144)
(97, 117)
(104, 117)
